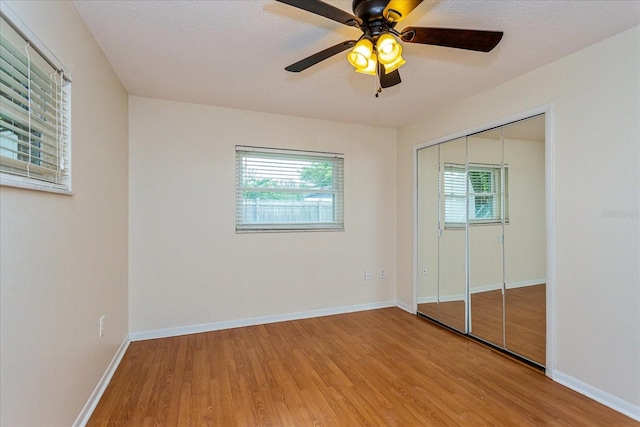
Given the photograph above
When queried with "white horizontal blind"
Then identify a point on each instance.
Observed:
(34, 115)
(504, 180)
(283, 190)
(486, 188)
(455, 195)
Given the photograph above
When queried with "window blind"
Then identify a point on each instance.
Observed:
(455, 195)
(34, 114)
(280, 190)
(479, 191)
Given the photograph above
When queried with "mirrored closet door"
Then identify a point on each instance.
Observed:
(452, 295)
(525, 240)
(481, 246)
(486, 212)
(442, 277)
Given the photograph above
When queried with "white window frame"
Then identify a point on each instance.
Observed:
(460, 196)
(35, 111)
(275, 167)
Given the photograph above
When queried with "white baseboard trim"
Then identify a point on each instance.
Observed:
(525, 283)
(486, 288)
(406, 307)
(483, 288)
(427, 300)
(613, 402)
(229, 324)
(512, 285)
(454, 297)
(90, 406)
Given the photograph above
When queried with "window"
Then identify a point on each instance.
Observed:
(285, 190)
(34, 112)
(485, 184)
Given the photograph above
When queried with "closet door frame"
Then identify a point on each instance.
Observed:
(547, 110)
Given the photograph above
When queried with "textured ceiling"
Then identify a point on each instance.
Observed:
(233, 53)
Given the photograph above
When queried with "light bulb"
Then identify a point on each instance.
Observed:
(370, 69)
(361, 54)
(386, 46)
(389, 50)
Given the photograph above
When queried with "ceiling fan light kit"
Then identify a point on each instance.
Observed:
(388, 48)
(371, 68)
(361, 54)
(377, 52)
(389, 52)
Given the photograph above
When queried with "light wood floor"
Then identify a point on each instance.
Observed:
(525, 332)
(451, 313)
(526, 322)
(486, 316)
(374, 368)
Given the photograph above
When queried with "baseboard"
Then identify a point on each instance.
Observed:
(483, 288)
(405, 307)
(486, 288)
(613, 402)
(512, 285)
(451, 298)
(229, 324)
(427, 300)
(525, 283)
(91, 404)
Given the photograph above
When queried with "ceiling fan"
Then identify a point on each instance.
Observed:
(377, 52)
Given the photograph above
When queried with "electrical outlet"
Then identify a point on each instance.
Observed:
(367, 275)
(383, 273)
(101, 321)
(424, 271)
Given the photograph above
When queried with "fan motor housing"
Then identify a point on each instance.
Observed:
(369, 10)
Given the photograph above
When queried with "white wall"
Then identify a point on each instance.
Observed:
(427, 221)
(187, 266)
(595, 165)
(63, 259)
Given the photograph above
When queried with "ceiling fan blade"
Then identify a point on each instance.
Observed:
(478, 40)
(388, 80)
(323, 9)
(401, 8)
(320, 56)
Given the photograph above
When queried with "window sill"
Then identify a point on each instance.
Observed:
(286, 230)
(462, 226)
(31, 184)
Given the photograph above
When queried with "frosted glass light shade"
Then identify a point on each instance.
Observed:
(370, 69)
(361, 54)
(394, 65)
(389, 50)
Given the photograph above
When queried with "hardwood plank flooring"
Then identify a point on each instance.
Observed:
(486, 316)
(451, 313)
(526, 320)
(373, 368)
(525, 315)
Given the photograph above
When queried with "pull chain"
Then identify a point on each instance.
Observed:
(378, 84)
